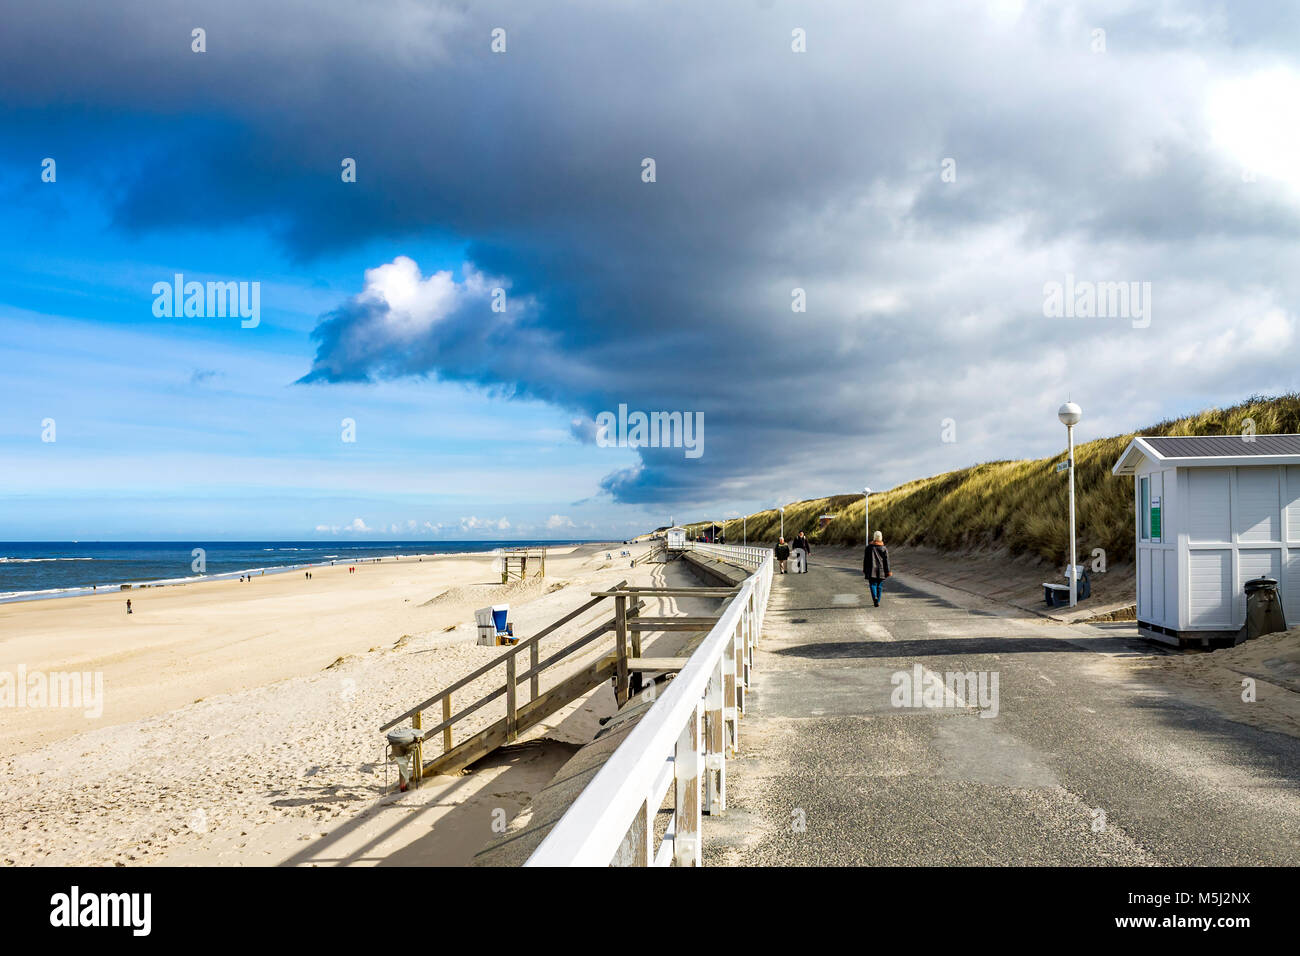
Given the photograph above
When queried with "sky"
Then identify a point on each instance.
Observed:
(827, 233)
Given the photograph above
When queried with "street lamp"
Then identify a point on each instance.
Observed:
(781, 508)
(744, 531)
(866, 522)
(1069, 414)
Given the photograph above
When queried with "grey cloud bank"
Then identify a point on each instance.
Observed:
(775, 170)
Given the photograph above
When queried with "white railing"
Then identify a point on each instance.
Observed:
(681, 742)
(750, 557)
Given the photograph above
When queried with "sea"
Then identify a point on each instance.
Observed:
(53, 569)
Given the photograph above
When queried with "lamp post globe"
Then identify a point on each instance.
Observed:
(1069, 414)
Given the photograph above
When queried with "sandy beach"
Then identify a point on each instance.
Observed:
(240, 720)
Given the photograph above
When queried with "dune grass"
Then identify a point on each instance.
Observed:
(1016, 505)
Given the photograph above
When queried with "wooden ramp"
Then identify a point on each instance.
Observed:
(623, 665)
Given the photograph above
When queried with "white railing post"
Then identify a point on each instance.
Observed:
(715, 759)
(687, 759)
(635, 850)
(730, 715)
(751, 635)
(738, 652)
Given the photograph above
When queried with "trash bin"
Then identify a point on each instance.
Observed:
(1263, 608)
(404, 745)
(1084, 588)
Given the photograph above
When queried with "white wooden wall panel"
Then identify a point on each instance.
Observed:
(1209, 586)
(1172, 587)
(1158, 588)
(1258, 513)
(1291, 588)
(1292, 502)
(1144, 585)
(1208, 505)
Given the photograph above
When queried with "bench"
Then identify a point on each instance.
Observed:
(1055, 595)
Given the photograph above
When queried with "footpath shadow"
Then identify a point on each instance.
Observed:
(930, 647)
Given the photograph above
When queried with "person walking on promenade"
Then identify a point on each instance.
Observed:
(875, 566)
(801, 544)
(782, 553)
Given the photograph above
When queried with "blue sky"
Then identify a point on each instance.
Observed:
(170, 428)
(1157, 151)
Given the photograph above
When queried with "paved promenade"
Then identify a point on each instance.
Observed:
(1088, 760)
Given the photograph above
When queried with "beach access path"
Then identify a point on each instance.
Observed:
(1096, 755)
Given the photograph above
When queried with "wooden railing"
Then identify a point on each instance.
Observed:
(517, 718)
(654, 551)
(624, 666)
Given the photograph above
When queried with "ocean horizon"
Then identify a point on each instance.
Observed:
(36, 570)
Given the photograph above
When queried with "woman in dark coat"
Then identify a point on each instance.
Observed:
(875, 566)
(782, 553)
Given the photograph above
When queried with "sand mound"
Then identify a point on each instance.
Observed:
(487, 593)
(1273, 657)
(1228, 677)
(1127, 613)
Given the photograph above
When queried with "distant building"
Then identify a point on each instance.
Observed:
(824, 520)
(1212, 512)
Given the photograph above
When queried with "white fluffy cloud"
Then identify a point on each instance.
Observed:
(474, 523)
(356, 525)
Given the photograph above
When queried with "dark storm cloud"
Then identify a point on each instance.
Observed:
(775, 171)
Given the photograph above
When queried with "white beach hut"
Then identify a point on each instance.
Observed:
(1212, 512)
(676, 539)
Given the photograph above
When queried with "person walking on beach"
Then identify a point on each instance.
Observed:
(801, 544)
(875, 566)
(128, 605)
(782, 553)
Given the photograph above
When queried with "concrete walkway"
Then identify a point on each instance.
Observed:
(1088, 761)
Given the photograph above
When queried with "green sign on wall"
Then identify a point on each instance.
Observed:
(1155, 519)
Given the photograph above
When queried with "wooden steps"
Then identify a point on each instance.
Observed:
(624, 668)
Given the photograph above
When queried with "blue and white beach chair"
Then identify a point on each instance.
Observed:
(493, 627)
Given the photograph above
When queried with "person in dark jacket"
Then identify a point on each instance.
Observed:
(801, 542)
(875, 566)
(782, 553)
